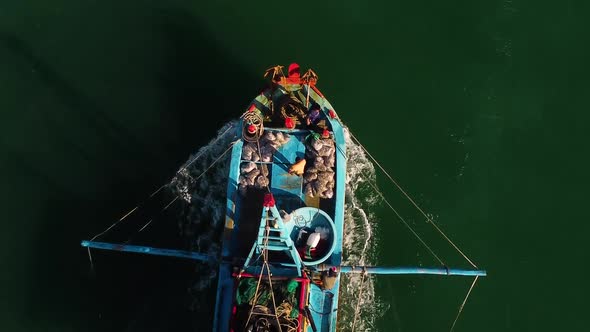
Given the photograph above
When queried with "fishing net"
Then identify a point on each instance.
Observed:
(285, 294)
(251, 174)
(318, 179)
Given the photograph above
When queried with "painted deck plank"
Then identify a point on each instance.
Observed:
(283, 183)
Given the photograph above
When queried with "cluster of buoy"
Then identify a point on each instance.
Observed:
(319, 175)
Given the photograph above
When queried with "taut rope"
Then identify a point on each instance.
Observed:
(180, 170)
(264, 254)
(463, 304)
(406, 223)
(162, 210)
(428, 219)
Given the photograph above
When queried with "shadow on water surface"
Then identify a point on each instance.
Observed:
(129, 292)
(79, 107)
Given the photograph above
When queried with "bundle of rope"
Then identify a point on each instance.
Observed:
(291, 107)
(253, 126)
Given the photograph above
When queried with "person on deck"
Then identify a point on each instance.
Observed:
(313, 116)
(294, 74)
(298, 167)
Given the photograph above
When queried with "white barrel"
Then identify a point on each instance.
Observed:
(313, 240)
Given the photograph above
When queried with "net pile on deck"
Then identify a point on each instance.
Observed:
(319, 175)
(260, 307)
(251, 174)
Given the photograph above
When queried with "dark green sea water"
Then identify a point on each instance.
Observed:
(479, 108)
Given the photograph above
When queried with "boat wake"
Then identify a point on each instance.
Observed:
(359, 245)
(202, 189)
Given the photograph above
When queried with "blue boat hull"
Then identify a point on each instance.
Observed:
(319, 307)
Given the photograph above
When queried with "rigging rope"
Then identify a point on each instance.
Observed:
(255, 299)
(203, 151)
(428, 219)
(406, 223)
(205, 171)
(307, 98)
(463, 304)
(185, 167)
(264, 254)
(162, 210)
(139, 231)
(272, 293)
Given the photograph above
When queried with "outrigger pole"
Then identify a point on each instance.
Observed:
(147, 250)
(343, 269)
(410, 270)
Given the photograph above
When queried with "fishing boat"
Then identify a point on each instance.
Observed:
(280, 263)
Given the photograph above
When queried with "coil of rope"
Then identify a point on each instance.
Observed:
(253, 126)
(284, 312)
(292, 107)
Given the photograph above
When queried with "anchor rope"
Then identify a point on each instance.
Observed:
(399, 187)
(463, 304)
